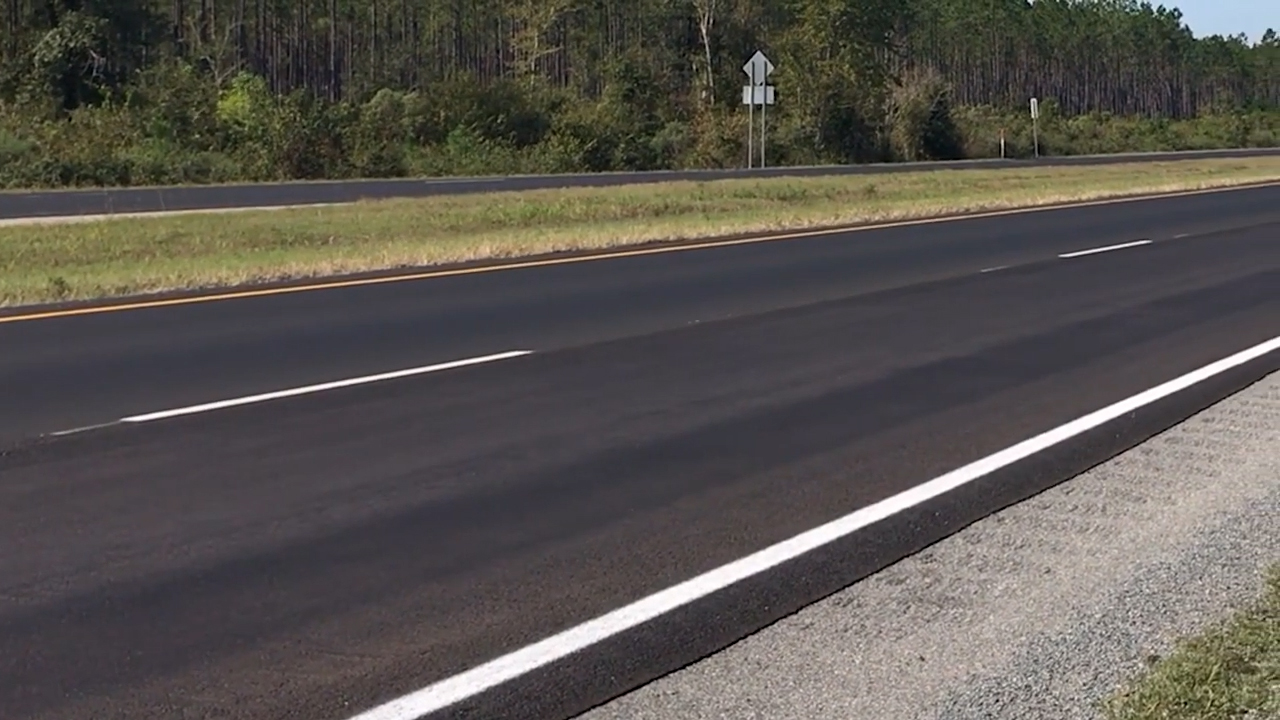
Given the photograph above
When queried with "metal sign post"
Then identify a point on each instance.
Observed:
(759, 92)
(764, 104)
(1035, 125)
(751, 115)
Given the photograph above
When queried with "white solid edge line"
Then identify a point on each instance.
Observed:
(165, 414)
(457, 688)
(1109, 248)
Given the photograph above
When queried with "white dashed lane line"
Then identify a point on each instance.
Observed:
(1108, 248)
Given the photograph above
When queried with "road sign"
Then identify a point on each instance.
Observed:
(1035, 125)
(758, 68)
(759, 92)
(759, 95)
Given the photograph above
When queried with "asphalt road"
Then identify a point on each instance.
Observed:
(313, 556)
(100, 201)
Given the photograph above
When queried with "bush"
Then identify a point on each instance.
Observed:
(174, 124)
(718, 140)
(467, 152)
(180, 105)
(1101, 133)
(296, 136)
(306, 140)
(919, 119)
(378, 138)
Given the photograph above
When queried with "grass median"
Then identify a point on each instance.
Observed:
(117, 257)
(1231, 672)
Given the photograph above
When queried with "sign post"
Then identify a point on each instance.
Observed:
(1035, 125)
(751, 115)
(763, 105)
(759, 92)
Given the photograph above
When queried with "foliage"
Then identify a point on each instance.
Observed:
(156, 91)
(921, 126)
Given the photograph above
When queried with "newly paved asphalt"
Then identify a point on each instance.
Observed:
(96, 201)
(313, 556)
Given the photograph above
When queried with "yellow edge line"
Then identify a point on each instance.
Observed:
(605, 255)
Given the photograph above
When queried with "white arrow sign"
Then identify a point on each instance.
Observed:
(758, 68)
(759, 92)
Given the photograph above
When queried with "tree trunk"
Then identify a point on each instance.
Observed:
(334, 92)
(706, 10)
(179, 21)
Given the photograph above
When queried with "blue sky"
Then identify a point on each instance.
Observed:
(1228, 17)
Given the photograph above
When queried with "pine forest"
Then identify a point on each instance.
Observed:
(117, 92)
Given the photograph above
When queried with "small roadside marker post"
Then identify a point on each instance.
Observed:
(1035, 125)
(759, 92)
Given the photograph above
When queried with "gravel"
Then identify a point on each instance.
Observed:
(1039, 611)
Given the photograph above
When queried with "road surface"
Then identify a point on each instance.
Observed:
(1043, 610)
(108, 201)
(313, 556)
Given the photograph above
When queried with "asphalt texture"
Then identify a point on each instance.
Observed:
(313, 556)
(80, 371)
(1043, 610)
(106, 201)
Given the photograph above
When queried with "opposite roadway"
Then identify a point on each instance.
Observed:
(112, 201)
(314, 556)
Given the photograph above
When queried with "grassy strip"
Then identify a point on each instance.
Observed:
(41, 263)
(1231, 672)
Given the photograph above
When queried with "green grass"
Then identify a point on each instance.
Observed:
(1230, 672)
(42, 263)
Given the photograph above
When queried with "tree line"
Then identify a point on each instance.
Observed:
(611, 83)
(1118, 56)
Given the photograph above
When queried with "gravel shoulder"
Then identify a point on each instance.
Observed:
(1040, 611)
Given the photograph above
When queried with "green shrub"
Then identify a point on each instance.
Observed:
(174, 123)
(180, 105)
(718, 139)
(919, 119)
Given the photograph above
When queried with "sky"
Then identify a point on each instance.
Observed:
(1228, 17)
